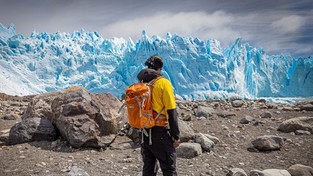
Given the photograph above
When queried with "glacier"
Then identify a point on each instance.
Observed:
(45, 62)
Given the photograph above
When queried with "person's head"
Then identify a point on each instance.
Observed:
(155, 62)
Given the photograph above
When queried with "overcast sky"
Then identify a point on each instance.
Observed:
(277, 26)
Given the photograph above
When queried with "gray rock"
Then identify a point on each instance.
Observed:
(206, 143)
(266, 114)
(212, 138)
(4, 136)
(226, 114)
(186, 117)
(40, 106)
(298, 123)
(6, 131)
(247, 119)
(237, 103)
(307, 107)
(188, 150)
(79, 101)
(34, 129)
(83, 119)
(300, 170)
(302, 132)
(257, 122)
(270, 172)
(123, 146)
(111, 104)
(236, 172)
(268, 142)
(76, 171)
(287, 109)
(9, 117)
(186, 132)
(79, 130)
(261, 100)
(201, 118)
(204, 111)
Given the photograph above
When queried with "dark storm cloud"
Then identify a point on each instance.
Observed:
(277, 26)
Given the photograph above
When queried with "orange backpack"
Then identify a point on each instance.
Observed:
(139, 105)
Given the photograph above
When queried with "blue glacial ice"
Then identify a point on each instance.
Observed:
(198, 69)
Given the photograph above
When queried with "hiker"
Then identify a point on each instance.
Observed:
(164, 137)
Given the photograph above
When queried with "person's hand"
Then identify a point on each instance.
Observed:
(176, 143)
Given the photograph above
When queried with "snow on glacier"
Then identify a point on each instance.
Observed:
(197, 69)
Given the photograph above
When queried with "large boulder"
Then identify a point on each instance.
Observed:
(298, 123)
(236, 172)
(204, 141)
(188, 150)
(268, 142)
(307, 107)
(34, 129)
(237, 103)
(83, 119)
(40, 106)
(204, 111)
(270, 172)
(77, 171)
(186, 132)
(300, 170)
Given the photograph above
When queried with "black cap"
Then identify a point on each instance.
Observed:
(154, 62)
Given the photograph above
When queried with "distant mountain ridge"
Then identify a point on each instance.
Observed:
(197, 69)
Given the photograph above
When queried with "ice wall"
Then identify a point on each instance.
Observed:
(197, 69)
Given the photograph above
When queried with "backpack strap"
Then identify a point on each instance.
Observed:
(140, 105)
(151, 83)
(144, 132)
(159, 113)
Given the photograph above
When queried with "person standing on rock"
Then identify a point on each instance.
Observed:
(165, 137)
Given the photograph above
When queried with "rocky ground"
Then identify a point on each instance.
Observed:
(234, 149)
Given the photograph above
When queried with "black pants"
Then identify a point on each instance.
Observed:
(162, 149)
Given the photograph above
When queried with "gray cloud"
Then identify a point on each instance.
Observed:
(288, 24)
(281, 26)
